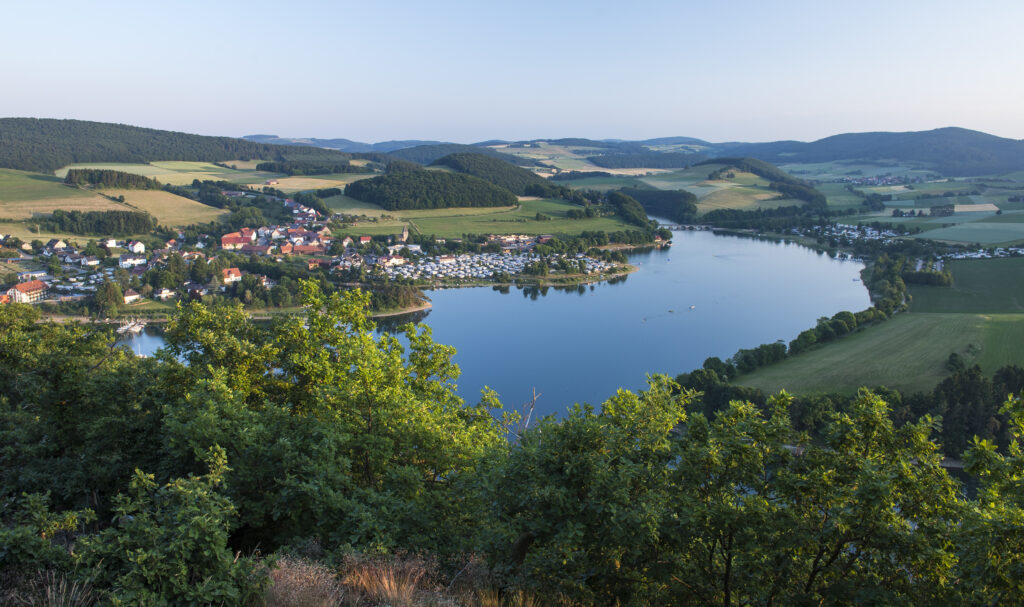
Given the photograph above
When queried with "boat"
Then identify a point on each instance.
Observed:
(133, 327)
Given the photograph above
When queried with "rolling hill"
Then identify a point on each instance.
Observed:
(45, 145)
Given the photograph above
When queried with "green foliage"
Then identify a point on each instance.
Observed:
(990, 542)
(429, 190)
(110, 179)
(168, 545)
(44, 145)
(677, 205)
(30, 543)
(103, 223)
(307, 167)
(426, 154)
(499, 171)
(629, 209)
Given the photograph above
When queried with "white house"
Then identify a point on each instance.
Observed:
(128, 261)
(136, 247)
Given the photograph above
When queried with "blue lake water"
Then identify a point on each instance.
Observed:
(707, 295)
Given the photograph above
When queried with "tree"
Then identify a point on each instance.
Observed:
(108, 299)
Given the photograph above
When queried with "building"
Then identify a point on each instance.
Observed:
(128, 261)
(136, 247)
(164, 294)
(27, 292)
(131, 296)
(232, 275)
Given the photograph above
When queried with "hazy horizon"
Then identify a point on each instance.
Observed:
(468, 72)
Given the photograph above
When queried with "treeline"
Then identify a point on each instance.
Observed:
(429, 190)
(113, 223)
(165, 474)
(426, 154)
(678, 205)
(306, 167)
(573, 175)
(967, 401)
(110, 179)
(780, 181)
(45, 145)
(889, 294)
(497, 171)
(628, 209)
(647, 160)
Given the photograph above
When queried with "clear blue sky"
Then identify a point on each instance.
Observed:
(468, 71)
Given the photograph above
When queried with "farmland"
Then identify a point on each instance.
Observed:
(179, 172)
(981, 318)
(23, 195)
(455, 222)
(169, 209)
(907, 353)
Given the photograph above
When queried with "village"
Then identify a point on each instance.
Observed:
(62, 272)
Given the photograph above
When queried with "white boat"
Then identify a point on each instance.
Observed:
(134, 327)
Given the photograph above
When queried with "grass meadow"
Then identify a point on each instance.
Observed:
(177, 172)
(979, 286)
(23, 195)
(169, 209)
(907, 352)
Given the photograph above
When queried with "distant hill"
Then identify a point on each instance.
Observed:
(498, 171)
(424, 189)
(344, 145)
(44, 145)
(426, 154)
(950, 151)
(647, 160)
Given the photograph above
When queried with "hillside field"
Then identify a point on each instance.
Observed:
(23, 195)
(907, 352)
(455, 222)
(179, 172)
(169, 209)
(981, 318)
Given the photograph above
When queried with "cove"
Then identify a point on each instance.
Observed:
(706, 295)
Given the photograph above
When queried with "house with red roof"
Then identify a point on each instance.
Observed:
(28, 292)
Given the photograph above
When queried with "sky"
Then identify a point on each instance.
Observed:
(469, 71)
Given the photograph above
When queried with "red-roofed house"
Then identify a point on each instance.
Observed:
(232, 275)
(308, 249)
(27, 292)
(365, 239)
(233, 240)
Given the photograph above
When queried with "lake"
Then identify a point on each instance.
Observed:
(706, 295)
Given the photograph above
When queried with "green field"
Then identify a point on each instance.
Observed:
(344, 204)
(23, 195)
(979, 286)
(907, 352)
(169, 209)
(984, 233)
(454, 222)
(179, 172)
(981, 318)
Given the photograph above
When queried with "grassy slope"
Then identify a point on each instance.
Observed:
(454, 222)
(23, 194)
(981, 318)
(169, 209)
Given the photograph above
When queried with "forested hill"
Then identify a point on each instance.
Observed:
(44, 144)
(424, 189)
(500, 172)
(950, 151)
(344, 145)
(425, 154)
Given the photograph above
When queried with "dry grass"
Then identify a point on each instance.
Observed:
(302, 583)
(395, 583)
(169, 209)
(48, 589)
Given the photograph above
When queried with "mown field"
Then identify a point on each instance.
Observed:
(907, 353)
(981, 318)
(979, 285)
(179, 172)
(169, 209)
(454, 222)
(23, 195)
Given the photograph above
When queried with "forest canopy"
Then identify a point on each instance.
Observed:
(424, 189)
